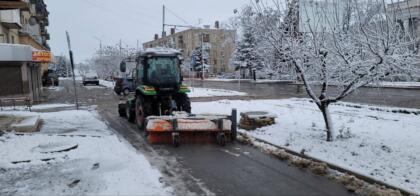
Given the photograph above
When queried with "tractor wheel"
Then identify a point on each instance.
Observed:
(183, 102)
(126, 91)
(143, 110)
(130, 114)
(221, 139)
(121, 112)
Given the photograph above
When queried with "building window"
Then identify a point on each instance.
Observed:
(206, 38)
(13, 39)
(2, 40)
(181, 42)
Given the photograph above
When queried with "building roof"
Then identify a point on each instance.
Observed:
(161, 51)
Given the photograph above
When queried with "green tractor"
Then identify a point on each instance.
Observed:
(158, 86)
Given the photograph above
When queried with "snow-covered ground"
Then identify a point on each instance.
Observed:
(208, 92)
(379, 142)
(74, 154)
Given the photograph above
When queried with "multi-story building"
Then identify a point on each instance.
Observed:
(24, 52)
(408, 13)
(219, 43)
(321, 15)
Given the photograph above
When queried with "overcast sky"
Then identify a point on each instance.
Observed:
(89, 21)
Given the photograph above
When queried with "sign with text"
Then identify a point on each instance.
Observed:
(41, 56)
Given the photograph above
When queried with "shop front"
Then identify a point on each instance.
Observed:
(20, 71)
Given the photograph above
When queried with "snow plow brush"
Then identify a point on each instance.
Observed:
(182, 127)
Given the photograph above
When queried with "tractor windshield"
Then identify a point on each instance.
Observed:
(163, 71)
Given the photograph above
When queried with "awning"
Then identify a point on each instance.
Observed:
(15, 53)
(23, 53)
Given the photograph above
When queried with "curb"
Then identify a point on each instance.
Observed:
(335, 167)
(294, 83)
(379, 87)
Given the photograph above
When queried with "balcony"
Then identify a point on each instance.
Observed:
(10, 19)
(13, 4)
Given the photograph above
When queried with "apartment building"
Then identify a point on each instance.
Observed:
(408, 13)
(219, 44)
(24, 51)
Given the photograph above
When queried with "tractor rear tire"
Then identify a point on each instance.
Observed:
(130, 114)
(183, 102)
(143, 109)
(126, 92)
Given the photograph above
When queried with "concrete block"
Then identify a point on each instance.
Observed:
(29, 124)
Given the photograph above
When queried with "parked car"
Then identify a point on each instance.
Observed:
(124, 86)
(50, 78)
(90, 78)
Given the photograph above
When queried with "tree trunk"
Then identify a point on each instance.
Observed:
(328, 122)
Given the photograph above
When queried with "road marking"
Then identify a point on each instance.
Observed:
(231, 153)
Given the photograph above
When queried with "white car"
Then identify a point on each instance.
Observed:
(90, 79)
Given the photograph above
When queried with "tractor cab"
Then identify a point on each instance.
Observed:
(159, 68)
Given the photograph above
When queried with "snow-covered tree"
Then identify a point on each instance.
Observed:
(62, 66)
(197, 59)
(246, 54)
(370, 48)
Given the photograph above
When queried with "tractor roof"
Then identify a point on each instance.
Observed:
(160, 52)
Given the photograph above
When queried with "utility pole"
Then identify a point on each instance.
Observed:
(100, 44)
(72, 68)
(120, 47)
(137, 46)
(202, 56)
(163, 21)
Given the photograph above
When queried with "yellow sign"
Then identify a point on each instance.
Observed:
(41, 56)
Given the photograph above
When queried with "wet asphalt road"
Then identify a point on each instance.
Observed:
(206, 168)
(407, 98)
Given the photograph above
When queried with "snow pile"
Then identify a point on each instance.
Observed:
(107, 84)
(208, 92)
(74, 154)
(380, 142)
(398, 84)
(55, 88)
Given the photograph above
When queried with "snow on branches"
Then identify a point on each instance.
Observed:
(347, 44)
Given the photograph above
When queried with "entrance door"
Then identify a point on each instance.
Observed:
(10, 80)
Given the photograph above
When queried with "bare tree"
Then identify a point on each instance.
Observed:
(332, 47)
(84, 68)
(107, 60)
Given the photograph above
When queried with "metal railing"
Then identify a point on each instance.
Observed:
(17, 101)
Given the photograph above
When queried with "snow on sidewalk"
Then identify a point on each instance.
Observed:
(378, 142)
(208, 92)
(74, 154)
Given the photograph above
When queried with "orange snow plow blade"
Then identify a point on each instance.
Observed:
(183, 128)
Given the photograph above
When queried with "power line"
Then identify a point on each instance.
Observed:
(179, 17)
(120, 14)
